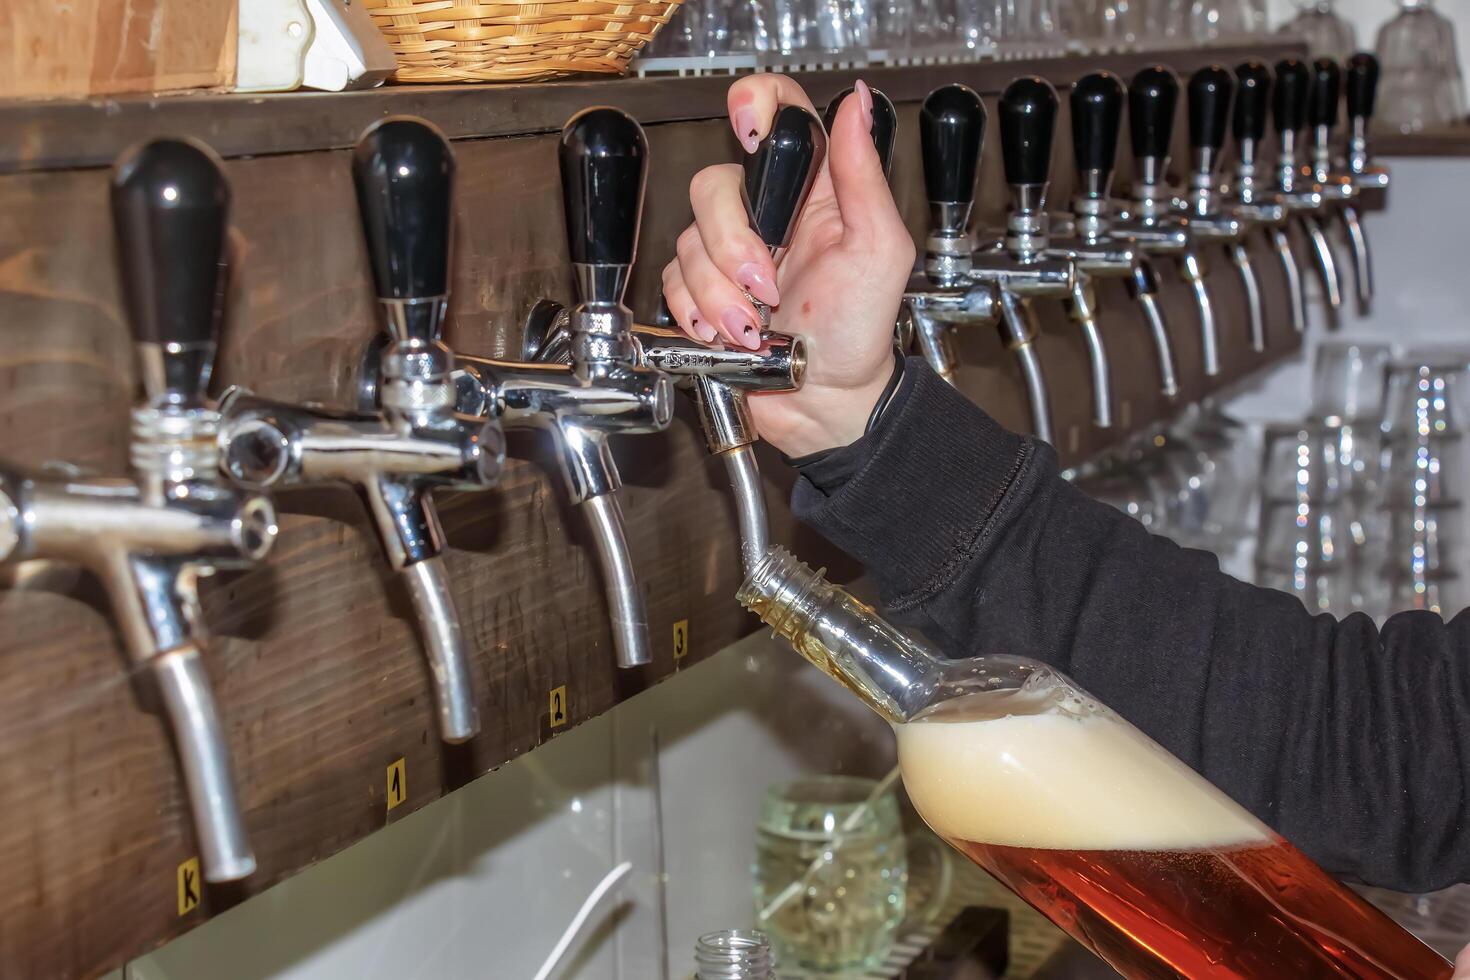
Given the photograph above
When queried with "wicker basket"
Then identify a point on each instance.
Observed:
(514, 41)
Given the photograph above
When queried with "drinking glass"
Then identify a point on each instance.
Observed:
(1421, 84)
(832, 872)
(1225, 20)
(1126, 488)
(1326, 33)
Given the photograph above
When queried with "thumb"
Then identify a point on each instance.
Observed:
(858, 182)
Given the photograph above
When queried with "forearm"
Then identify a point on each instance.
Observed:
(1357, 750)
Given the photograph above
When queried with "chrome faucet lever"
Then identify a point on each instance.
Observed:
(1149, 219)
(1211, 217)
(1304, 198)
(1097, 117)
(414, 442)
(1362, 93)
(1022, 265)
(1254, 200)
(150, 538)
(584, 381)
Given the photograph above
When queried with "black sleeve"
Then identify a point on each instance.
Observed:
(1352, 743)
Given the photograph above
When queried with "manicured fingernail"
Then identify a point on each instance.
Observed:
(753, 280)
(865, 99)
(747, 128)
(738, 325)
(750, 336)
(703, 329)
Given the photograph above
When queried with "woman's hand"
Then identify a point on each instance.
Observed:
(839, 284)
(1462, 965)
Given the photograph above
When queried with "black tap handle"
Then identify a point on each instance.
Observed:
(1097, 114)
(604, 168)
(170, 211)
(1153, 96)
(1253, 90)
(1289, 106)
(404, 172)
(1326, 93)
(1362, 85)
(951, 132)
(780, 173)
(1210, 92)
(1028, 123)
(885, 124)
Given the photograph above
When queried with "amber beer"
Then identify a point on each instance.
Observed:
(1131, 852)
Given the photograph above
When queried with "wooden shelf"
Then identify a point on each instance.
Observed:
(319, 677)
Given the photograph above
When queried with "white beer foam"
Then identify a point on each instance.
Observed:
(1045, 767)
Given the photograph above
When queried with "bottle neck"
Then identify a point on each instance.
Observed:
(846, 639)
(735, 954)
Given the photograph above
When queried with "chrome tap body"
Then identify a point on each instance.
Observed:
(1304, 199)
(583, 379)
(408, 440)
(1086, 236)
(1252, 198)
(149, 539)
(1149, 220)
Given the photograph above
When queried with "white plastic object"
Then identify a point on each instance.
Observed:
(274, 37)
(348, 50)
(579, 921)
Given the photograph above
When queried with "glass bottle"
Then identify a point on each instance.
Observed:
(1326, 33)
(1112, 838)
(734, 954)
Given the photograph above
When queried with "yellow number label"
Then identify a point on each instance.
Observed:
(189, 886)
(397, 783)
(557, 706)
(681, 639)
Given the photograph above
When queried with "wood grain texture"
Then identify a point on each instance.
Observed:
(315, 661)
(107, 47)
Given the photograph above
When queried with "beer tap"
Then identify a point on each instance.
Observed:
(1148, 220)
(1254, 199)
(1097, 117)
(1211, 218)
(1021, 265)
(151, 537)
(1362, 92)
(1303, 198)
(778, 178)
(587, 381)
(397, 456)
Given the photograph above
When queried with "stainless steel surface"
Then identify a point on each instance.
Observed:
(1240, 255)
(1193, 270)
(750, 505)
(624, 601)
(1020, 335)
(1326, 263)
(444, 649)
(1081, 310)
(1295, 289)
(204, 757)
(1362, 260)
(1153, 315)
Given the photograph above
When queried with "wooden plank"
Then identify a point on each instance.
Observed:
(315, 662)
(107, 47)
(92, 133)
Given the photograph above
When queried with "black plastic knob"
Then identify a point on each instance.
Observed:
(780, 173)
(1153, 97)
(1289, 104)
(1210, 92)
(404, 172)
(1097, 115)
(604, 168)
(1028, 124)
(170, 211)
(1326, 93)
(951, 133)
(885, 124)
(1252, 95)
(1362, 85)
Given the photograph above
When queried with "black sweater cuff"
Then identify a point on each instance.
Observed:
(911, 471)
